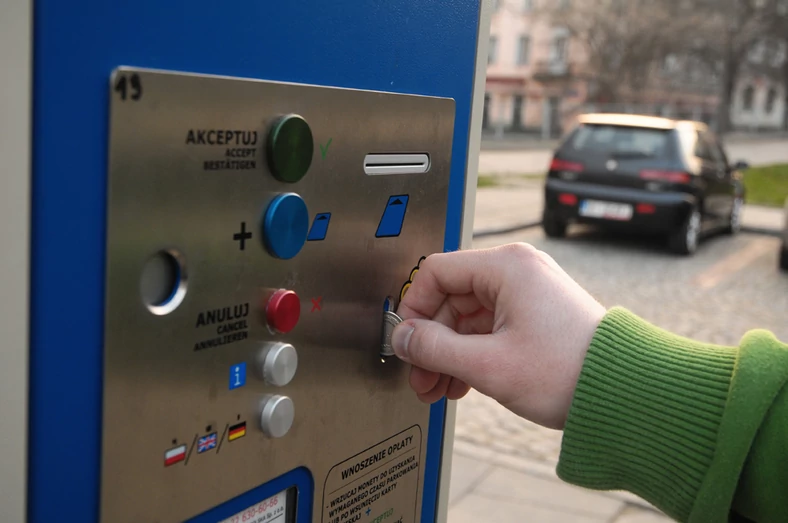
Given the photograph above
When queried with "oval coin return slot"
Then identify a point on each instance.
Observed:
(382, 164)
(163, 282)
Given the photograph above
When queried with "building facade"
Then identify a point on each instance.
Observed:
(539, 81)
(759, 99)
(532, 73)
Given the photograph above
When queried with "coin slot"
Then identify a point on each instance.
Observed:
(163, 282)
(383, 164)
(388, 304)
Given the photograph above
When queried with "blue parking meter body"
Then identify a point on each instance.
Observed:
(225, 198)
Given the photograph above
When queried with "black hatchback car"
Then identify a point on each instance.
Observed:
(645, 174)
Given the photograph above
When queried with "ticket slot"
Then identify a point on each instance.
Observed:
(384, 164)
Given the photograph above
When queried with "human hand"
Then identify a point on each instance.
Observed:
(506, 321)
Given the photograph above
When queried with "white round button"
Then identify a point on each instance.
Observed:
(278, 362)
(277, 415)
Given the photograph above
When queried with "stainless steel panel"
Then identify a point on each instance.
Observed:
(159, 392)
(16, 39)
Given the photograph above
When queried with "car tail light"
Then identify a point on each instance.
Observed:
(567, 199)
(665, 176)
(645, 208)
(563, 165)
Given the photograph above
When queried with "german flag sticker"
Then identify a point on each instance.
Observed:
(237, 431)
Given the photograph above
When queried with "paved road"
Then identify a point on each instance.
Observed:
(504, 465)
(536, 161)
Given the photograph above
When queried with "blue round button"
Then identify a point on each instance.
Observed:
(285, 226)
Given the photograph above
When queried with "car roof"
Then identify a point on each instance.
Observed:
(636, 120)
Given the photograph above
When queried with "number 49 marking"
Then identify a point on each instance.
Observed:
(129, 87)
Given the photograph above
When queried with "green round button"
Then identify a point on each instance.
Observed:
(290, 148)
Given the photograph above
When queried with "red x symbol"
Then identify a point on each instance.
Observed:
(316, 304)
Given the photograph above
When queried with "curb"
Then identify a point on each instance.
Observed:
(762, 230)
(506, 230)
(775, 233)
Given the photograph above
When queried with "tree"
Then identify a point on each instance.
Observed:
(626, 40)
(722, 33)
(622, 40)
(778, 32)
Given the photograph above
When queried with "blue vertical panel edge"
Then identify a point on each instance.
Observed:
(407, 46)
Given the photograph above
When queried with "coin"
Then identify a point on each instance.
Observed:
(390, 320)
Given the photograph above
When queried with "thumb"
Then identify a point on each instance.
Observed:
(435, 347)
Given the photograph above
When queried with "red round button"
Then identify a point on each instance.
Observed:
(283, 310)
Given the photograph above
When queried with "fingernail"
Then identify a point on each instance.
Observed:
(400, 339)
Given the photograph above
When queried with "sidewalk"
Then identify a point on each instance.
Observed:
(506, 474)
(535, 160)
(485, 492)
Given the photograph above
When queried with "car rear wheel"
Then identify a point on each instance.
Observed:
(684, 240)
(553, 227)
(784, 257)
(734, 224)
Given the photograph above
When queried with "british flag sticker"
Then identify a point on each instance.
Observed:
(206, 443)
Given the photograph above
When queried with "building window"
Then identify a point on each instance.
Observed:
(558, 51)
(748, 98)
(524, 50)
(486, 113)
(771, 99)
(528, 6)
(670, 64)
(518, 110)
(493, 51)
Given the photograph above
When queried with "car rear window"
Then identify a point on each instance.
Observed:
(620, 141)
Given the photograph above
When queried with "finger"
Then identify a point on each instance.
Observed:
(454, 307)
(422, 380)
(480, 322)
(432, 346)
(441, 275)
(457, 389)
(438, 391)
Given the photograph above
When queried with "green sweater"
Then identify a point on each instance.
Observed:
(698, 430)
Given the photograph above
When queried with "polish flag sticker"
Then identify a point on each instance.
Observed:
(174, 455)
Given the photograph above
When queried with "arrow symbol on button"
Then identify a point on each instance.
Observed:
(396, 202)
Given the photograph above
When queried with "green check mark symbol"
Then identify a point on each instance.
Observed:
(324, 150)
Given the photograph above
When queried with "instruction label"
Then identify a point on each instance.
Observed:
(377, 485)
(224, 325)
(231, 149)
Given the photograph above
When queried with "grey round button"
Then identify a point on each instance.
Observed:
(279, 362)
(277, 416)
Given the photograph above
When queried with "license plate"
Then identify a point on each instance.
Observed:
(606, 210)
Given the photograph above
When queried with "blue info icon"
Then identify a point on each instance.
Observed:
(237, 375)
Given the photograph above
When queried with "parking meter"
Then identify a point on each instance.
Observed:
(208, 209)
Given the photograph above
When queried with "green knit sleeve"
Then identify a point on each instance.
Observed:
(755, 424)
(667, 418)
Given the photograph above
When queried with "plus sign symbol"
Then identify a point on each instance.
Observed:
(242, 236)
